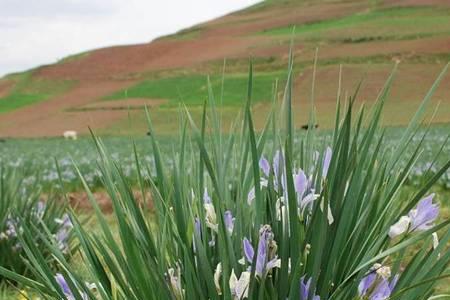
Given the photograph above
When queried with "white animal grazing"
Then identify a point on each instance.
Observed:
(70, 135)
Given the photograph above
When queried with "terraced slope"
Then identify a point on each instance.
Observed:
(96, 87)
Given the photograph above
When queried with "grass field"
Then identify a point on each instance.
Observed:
(29, 90)
(192, 90)
(373, 25)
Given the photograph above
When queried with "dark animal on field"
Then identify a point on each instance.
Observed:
(2, 140)
(306, 126)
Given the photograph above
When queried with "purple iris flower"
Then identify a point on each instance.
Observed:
(62, 237)
(63, 233)
(65, 221)
(382, 291)
(206, 197)
(64, 286)
(229, 221)
(366, 283)
(248, 250)
(264, 165)
(424, 215)
(261, 258)
(300, 183)
(376, 287)
(304, 289)
(278, 163)
(326, 162)
(66, 289)
(264, 261)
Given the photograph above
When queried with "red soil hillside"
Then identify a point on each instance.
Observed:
(260, 32)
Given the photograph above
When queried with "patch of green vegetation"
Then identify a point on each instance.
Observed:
(381, 23)
(193, 89)
(30, 90)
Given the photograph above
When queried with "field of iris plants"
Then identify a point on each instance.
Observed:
(276, 214)
(32, 156)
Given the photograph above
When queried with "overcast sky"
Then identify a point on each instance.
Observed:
(35, 32)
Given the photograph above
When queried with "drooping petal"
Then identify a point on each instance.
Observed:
(248, 250)
(300, 182)
(326, 162)
(400, 227)
(308, 199)
(63, 285)
(366, 284)
(232, 283)
(382, 291)
(274, 263)
(423, 217)
(241, 289)
(393, 282)
(264, 165)
(217, 275)
(210, 218)
(330, 217)
(280, 208)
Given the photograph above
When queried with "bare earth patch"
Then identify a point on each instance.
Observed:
(5, 87)
(80, 201)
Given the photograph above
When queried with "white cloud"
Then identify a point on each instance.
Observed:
(35, 32)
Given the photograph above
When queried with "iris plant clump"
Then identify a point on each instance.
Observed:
(259, 216)
(22, 207)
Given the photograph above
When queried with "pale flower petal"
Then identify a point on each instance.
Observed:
(435, 240)
(217, 275)
(241, 289)
(400, 227)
